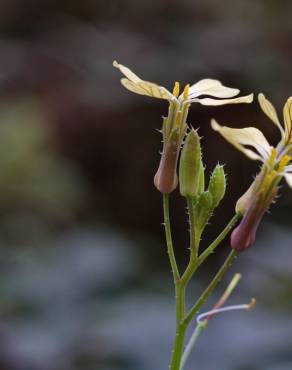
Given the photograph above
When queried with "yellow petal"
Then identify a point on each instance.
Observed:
(138, 86)
(127, 72)
(287, 112)
(249, 136)
(270, 111)
(147, 88)
(213, 88)
(210, 101)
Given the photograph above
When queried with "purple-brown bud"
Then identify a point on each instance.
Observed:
(243, 236)
(166, 179)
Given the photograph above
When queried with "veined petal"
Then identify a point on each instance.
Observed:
(249, 136)
(210, 101)
(127, 72)
(270, 111)
(147, 88)
(138, 86)
(287, 113)
(288, 178)
(213, 88)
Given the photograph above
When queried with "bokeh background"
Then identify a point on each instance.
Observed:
(85, 282)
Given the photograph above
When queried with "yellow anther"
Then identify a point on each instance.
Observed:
(176, 89)
(283, 162)
(186, 92)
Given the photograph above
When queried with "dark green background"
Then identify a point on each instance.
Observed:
(85, 282)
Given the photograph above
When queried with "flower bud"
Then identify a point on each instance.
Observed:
(243, 236)
(203, 210)
(201, 186)
(165, 178)
(217, 185)
(190, 165)
(243, 202)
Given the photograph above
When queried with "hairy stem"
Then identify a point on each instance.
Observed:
(181, 328)
(210, 249)
(198, 330)
(194, 246)
(183, 320)
(168, 237)
(180, 296)
(211, 287)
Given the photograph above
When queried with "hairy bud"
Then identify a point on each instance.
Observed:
(190, 165)
(217, 185)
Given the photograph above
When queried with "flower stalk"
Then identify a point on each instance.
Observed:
(181, 164)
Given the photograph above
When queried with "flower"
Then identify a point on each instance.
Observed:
(206, 92)
(205, 87)
(275, 166)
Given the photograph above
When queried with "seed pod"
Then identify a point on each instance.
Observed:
(189, 166)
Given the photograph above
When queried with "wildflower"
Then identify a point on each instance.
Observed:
(206, 92)
(275, 166)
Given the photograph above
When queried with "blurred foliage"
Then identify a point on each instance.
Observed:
(82, 300)
(35, 182)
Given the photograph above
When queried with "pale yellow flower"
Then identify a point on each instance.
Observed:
(276, 159)
(208, 88)
(206, 92)
(251, 141)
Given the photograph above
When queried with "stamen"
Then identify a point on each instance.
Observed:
(186, 92)
(272, 156)
(176, 89)
(178, 119)
(283, 162)
(215, 311)
(269, 180)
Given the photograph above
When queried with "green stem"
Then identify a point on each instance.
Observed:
(183, 321)
(181, 328)
(178, 347)
(198, 330)
(194, 245)
(180, 288)
(211, 287)
(168, 237)
(180, 302)
(210, 249)
(202, 325)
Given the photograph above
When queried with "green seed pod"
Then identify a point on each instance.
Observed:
(217, 185)
(189, 166)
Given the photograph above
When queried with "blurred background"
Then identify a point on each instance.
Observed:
(85, 282)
